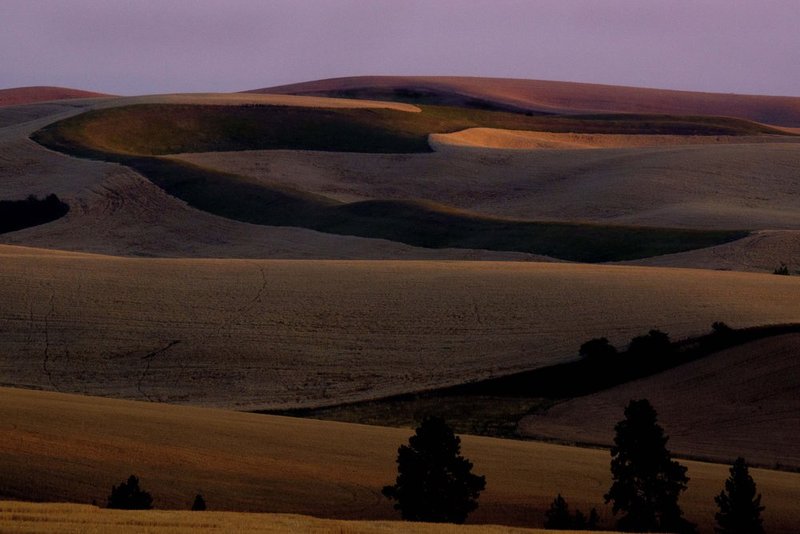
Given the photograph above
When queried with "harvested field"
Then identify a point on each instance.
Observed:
(762, 251)
(552, 96)
(267, 334)
(155, 130)
(116, 211)
(718, 186)
(56, 447)
(743, 401)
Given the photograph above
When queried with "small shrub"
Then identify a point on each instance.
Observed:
(128, 496)
(559, 518)
(655, 343)
(721, 328)
(598, 348)
(783, 270)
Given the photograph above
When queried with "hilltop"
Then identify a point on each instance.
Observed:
(551, 96)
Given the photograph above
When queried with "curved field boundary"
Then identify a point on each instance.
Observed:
(133, 135)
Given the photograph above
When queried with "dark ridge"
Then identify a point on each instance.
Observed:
(18, 214)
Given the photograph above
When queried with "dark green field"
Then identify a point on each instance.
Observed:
(135, 135)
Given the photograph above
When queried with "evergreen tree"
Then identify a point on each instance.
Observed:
(434, 482)
(128, 496)
(558, 516)
(739, 506)
(199, 504)
(646, 481)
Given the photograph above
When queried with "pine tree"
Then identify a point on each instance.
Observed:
(646, 481)
(558, 516)
(199, 504)
(434, 482)
(739, 506)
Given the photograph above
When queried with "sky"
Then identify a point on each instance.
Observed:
(158, 46)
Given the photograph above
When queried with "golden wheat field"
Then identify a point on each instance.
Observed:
(29, 518)
(258, 334)
(68, 447)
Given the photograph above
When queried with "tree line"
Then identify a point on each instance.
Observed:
(436, 484)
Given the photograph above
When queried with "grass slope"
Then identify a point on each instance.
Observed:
(160, 129)
(56, 447)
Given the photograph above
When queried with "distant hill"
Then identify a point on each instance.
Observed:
(551, 96)
(16, 96)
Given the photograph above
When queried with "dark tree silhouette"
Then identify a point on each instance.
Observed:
(18, 214)
(783, 269)
(646, 481)
(128, 496)
(597, 349)
(199, 504)
(655, 343)
(559, 518)
(434, 482)
(739, 506)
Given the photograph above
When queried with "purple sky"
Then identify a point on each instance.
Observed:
(155, 46)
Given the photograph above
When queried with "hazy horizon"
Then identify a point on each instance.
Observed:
(200, 46)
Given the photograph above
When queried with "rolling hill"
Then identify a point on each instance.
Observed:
(253, 334)
(739, 402)
(253, 251)
(17, 96)
(72, 448)
(551, 96)
(157, 130)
